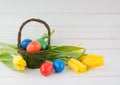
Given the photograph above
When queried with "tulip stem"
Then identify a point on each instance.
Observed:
(14, 46)
(5, 59)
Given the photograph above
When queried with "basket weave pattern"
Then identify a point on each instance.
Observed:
(34, 60)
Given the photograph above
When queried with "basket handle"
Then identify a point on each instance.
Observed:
(36, 20)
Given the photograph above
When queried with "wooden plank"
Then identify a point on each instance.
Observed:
(61, 6)
(58, 81)
(63, 19)
(82, 32)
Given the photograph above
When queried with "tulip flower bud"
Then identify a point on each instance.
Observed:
(92, 60)
(19, 63)
(76, 65)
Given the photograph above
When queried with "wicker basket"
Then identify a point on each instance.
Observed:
(34, 60)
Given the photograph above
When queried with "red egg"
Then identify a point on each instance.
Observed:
(46, 68)
(34, 46)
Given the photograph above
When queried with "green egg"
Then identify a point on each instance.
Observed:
(43, 43)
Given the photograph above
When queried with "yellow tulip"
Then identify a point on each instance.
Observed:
(76, 65)
(19, 63)
(92, 60)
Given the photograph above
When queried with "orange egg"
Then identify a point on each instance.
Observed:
(34, 46)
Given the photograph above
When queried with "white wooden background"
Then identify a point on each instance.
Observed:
(95, 24)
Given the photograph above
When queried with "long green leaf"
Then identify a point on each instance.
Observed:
(9, 64)
(8, 50)
(65, 55)
(14, 46)
(67, 48)
(5, 57)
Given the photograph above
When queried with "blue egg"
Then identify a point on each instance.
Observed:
(58, 65)
(25, 43)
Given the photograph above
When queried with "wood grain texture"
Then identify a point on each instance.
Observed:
(60, 6)
(80, 32)
(53, 81)
(63, 19)
(94, 24)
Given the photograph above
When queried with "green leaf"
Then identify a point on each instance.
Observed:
(14, 46)
(9, 64)
(45, 35)
(66, 48)
(65, 55)
(5, 57)
(8, 50)
(64, 59)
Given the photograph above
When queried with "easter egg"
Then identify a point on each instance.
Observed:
(34, 46)
(25, 43)
(58, 65)
(43, 43)
(46, 68)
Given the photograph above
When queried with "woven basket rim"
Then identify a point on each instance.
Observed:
(21, 49)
